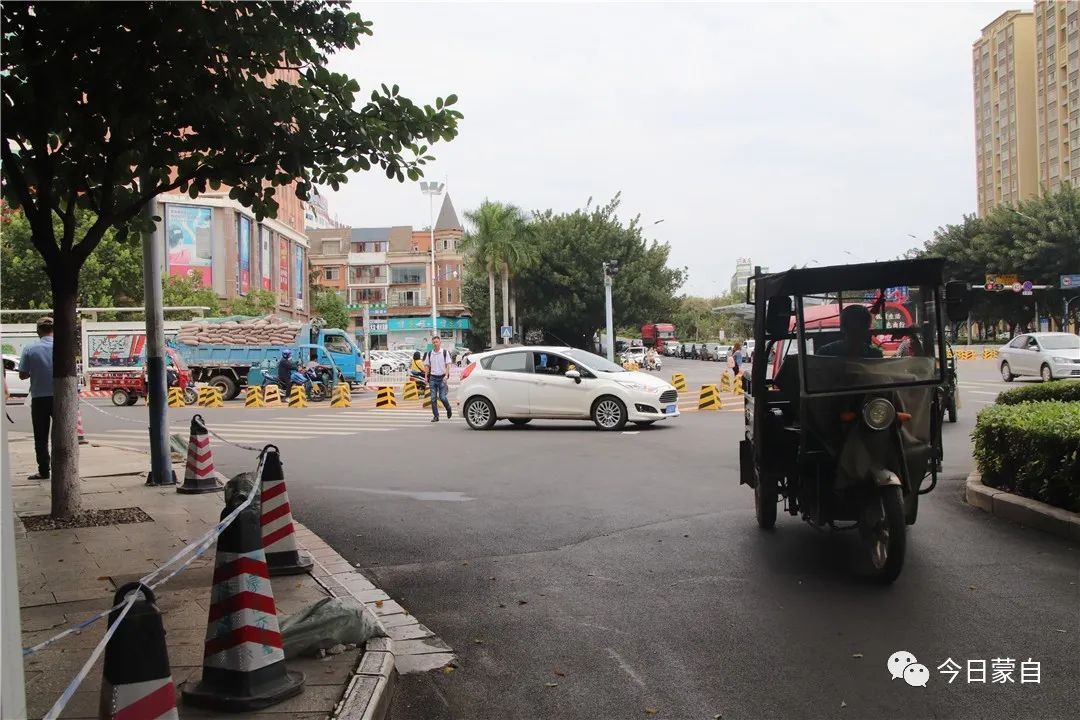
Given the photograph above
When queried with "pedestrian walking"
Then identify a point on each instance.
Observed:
(36, 363)
(735, 358)
(437, 365)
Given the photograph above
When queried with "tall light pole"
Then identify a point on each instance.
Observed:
(431, 189)
(610, 270)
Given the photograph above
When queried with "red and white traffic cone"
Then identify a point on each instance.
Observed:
(136, 681)
(199, 475)
(78, 426)
(278, 535)
(243, 661)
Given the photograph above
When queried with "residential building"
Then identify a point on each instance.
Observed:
(389, 270)
(1057, 66)
(744, 270)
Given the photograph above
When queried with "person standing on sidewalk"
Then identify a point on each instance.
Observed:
(437, 365)
(36, 363)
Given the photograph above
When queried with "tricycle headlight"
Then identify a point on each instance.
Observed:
(879, 413)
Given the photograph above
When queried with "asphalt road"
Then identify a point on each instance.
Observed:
(581, 574)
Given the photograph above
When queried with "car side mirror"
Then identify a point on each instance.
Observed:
(574, 375)
(778, 316)
(957, 300)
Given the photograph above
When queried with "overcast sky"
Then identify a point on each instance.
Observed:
(788, 133)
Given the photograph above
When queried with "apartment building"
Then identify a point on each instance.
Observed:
(1006, 159)
(388, 269)
(1057, 66)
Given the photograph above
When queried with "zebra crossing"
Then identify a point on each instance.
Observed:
(258, 428)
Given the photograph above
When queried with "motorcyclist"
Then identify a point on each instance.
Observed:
(416, 370)
(855, 335)
(288, 373)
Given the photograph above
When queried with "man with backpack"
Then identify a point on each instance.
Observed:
(437, 365)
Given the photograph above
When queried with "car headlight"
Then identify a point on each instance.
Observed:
(633, 385)
(1061, 360)
(879, 413)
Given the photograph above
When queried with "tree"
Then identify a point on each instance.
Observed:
(499, 241)
(695, 320)
(187, 290)
(562, 290)
(107, 105)
(327, 304)
(255, 303)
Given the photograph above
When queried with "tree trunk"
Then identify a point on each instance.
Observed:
(505, 296)
(513, 313)
(491, 303)
(66, 491)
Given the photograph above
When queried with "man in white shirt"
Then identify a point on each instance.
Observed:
(437, 365)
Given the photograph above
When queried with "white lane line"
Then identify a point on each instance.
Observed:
(630, 432)
(982, 392)
(625, 667)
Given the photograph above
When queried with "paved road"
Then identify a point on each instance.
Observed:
(647, 585)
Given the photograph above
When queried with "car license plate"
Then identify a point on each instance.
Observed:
(670, 409)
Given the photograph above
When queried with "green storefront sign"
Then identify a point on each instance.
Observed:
(424, 323)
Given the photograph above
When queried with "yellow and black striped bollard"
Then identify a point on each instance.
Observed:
(253, 397)
(298, 397)
(678, 380)
(342, 396)
(385, 400)
(709, 398)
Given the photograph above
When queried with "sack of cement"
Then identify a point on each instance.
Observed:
(326, 624)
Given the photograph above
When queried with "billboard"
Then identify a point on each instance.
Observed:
(244, 239)
(118, 350)
(283, 270)
(265, 278)
(299, 274)
(189, 240)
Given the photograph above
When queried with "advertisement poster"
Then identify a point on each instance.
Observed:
(245, 255)
(189, 241)
(120, 350)
(266, 281)
(299, 274)
(283, 270)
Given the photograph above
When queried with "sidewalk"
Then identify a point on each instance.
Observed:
(66, 576)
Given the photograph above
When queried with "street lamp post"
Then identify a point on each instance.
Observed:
(610, 270)
(431, 189)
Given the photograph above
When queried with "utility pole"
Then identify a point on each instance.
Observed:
(161, 472)
(610, 270)
(367, 341)
(431, 189)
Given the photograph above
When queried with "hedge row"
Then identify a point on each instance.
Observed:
(1031, 449)
(1060, 390)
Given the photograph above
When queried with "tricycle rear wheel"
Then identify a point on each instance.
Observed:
(120, 397)
(765, 501)
(883, 533)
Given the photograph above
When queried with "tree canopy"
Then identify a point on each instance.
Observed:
(327, 304)
(562, 291)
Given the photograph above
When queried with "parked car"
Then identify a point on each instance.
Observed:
(634, 354)
(541, 382)
(1049, 355)
(15, 386)
(383, 362)
(718, 352)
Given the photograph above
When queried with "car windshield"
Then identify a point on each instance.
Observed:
(594, 362)
(1060, 342)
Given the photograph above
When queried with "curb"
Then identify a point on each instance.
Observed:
(374, 679)
(1027, 512)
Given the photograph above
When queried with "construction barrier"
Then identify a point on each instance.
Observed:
(965, 354)
(136, 681)
(210, 397)
(678, 380)
(253, 397)
(298, 397)
(385, 400)
(709, 398)
(243, 661)
(727, 380)
(272, 396)
(737, 383)
(278, 536)
(409, 391)
(200, 475)
(990, 354)
(176, 397)
(342, 396)
(426, 397)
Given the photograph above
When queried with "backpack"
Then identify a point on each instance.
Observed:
(731, 360)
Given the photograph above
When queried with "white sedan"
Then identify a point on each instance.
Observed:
(15, 385)
(555, 383)
(1049, 355)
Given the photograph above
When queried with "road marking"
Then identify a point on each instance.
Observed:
(630, 432)
(982, 392)
(625, 667)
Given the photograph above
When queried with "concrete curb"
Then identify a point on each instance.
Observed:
(1027, 512)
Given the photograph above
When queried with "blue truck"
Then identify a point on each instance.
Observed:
(227, 366)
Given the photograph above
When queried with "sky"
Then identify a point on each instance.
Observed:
(788, 133)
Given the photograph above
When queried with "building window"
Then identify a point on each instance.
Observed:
(331, 247)
(359, 296)
(446, 334)
(332, 273)
(408, 274)
(369, 247)
(408, 298)
(449, 295)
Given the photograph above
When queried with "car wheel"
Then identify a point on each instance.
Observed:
(1046, 373)
(119, 397)
(520, 421)
(1006, 372)
(228, 387)
(609, 413)
(385, 369)
(479, 413)
(644, 423)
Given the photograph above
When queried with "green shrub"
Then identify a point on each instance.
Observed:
(1059, 390)
(1031, 449)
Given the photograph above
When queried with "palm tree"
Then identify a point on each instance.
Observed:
(499, 239)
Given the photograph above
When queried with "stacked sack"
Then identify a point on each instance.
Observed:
(270, 330)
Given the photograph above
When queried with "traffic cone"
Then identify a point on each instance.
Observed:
(243, 661)
(78, 426)
(278, 536)
(199, 475)
(136, 680)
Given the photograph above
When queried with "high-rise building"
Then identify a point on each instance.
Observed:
(1003, 62)
(1057, 64)
(744, 270)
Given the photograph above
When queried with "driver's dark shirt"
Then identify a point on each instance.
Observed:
(284, 369)
(838, 348)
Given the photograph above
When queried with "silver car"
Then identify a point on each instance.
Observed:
(1049, 355)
